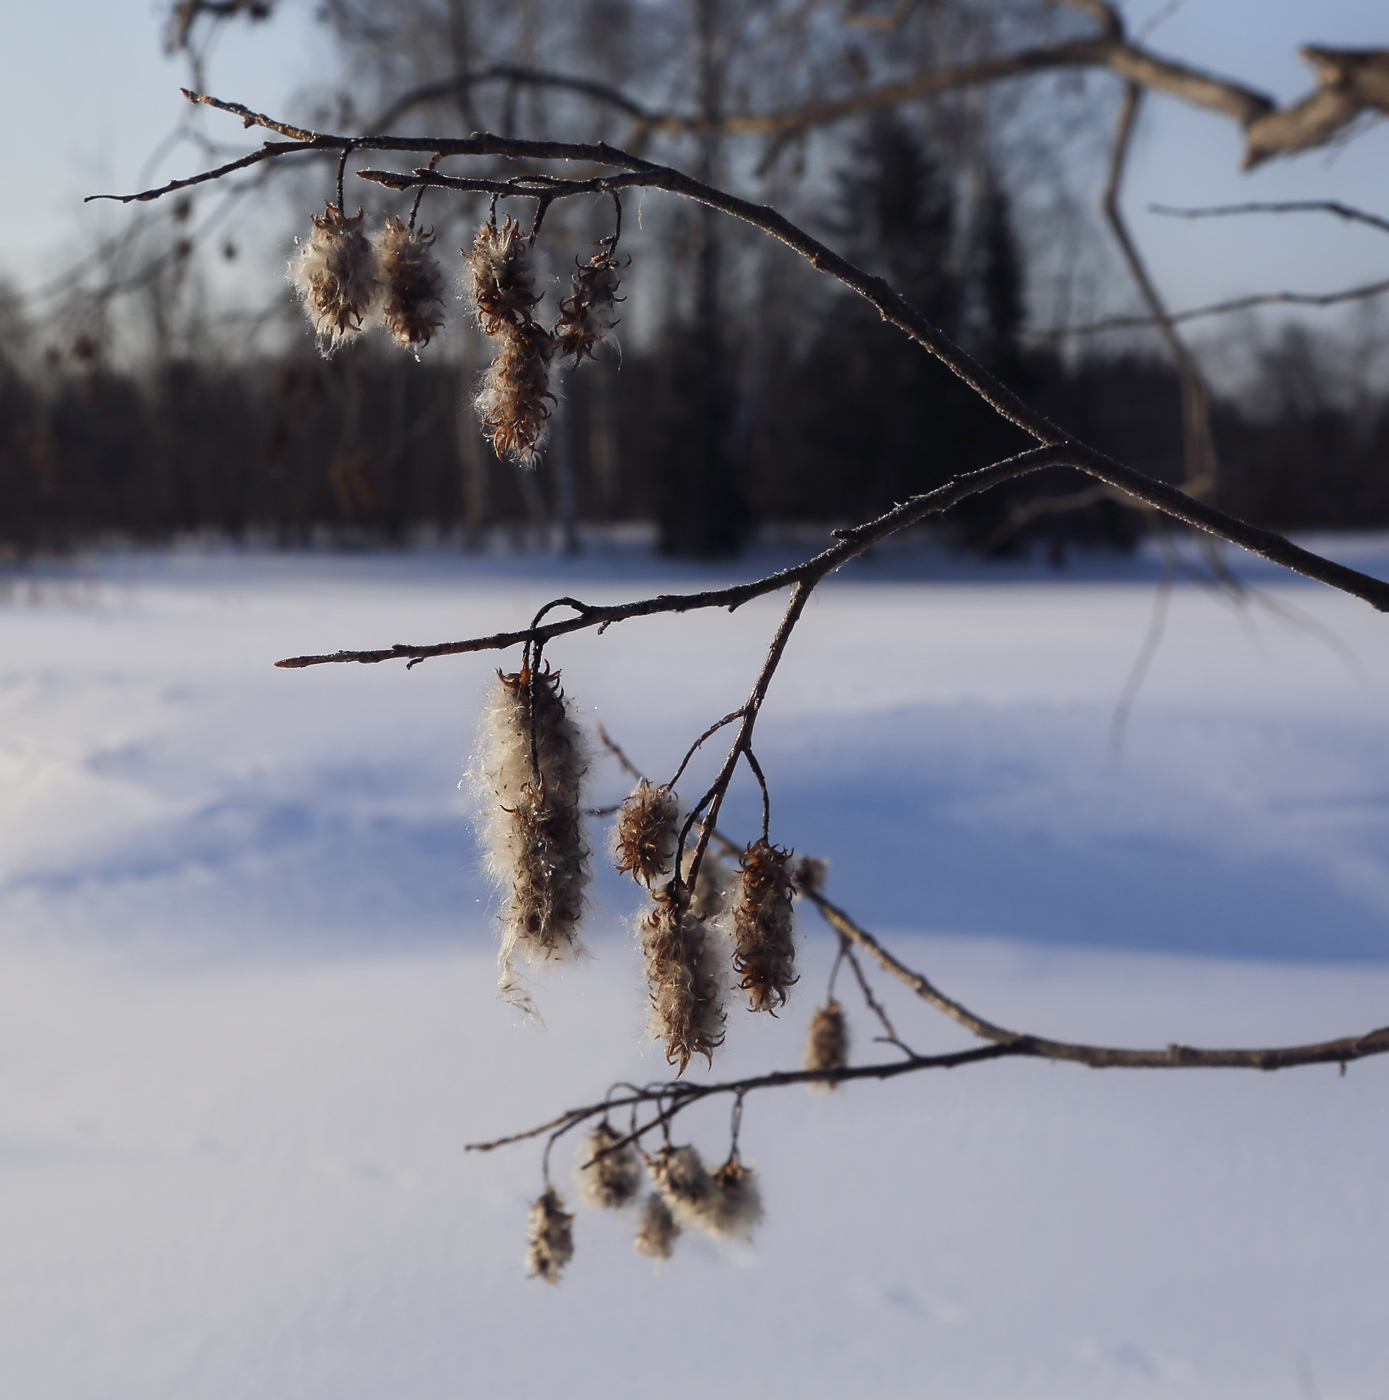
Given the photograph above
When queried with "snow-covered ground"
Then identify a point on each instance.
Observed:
(248, 1014)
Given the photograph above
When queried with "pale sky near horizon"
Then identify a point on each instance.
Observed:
(85, 87)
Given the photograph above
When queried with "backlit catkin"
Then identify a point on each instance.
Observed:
(411, 302)
(657, 1228)
(512, 400)
(589, 314)
(685, 977)
(550, 1243)
(612, 1180)
(648, 828)
(335, 276)
(827, 1045)
(531, 823)
(764, 948)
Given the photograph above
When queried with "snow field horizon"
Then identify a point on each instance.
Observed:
(250, 1015)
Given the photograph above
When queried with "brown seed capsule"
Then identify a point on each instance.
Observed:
(685, 976)
(335, 276)
(765, 951)
(590, 313)
(657, 1229)
(827, 1047)
(412, 286)
(528, 779)
(648, 828)
(613, 1179)
(512, 400)
(551, 1240)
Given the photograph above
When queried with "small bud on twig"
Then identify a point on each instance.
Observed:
(551, 1238)
(614, 1178)
(762, 926)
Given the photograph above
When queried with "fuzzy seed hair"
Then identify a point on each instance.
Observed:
(685, 977)
(827, 1046)
(648, 829)
(657, 1228)
(550, 1244)
(412, 285)
(709, 898)
(589, 314)
(512, 401)
(614, 1179)
(531, 823)
(765, 951)
(335, 276)
(809, 875)
(725, 1202)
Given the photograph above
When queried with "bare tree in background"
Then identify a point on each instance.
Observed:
(713, 937)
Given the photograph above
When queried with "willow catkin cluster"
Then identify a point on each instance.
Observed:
(613, 1179)
(648, 829)
(685, 977)
(335, 276)
(411, 298)
(589, 314)
(827, 1046)
(512, 401)
(725, 1202)
(764, 948)
(550, 1243)
(529, 774)
(657, 1228)
(709, 898)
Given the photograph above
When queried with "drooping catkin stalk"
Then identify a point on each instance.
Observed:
(589, 314)
(529, 790)
(765, 951)
(550, 1242)
(412, 285)
(685, 976)
(512, 400)
(648, 828)
(657, 1228)
(612, 1180)
(827, 1046)
(335, 276)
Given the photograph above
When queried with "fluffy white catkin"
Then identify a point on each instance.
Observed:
(765, 951)
(550, 1240)
(827, 1046)
(685, 976)
(335, 276)
(588, 315)
(657, 1228)
(648, 830)
(726, 1202)
(612, 1180)
(411, 300)
(531, 819)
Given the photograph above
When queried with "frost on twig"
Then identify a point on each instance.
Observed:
(528, 777)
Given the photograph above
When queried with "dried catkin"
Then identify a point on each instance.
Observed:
(684, 1182)
(736, 1208)
(613, 1179)
(685, 976)
(412, 286)
(551, 1240)
(809, 875)
(589, 314)
(765, 951)
(512, 400)
(657, 1228)
(335, 276)
(827, 1046)
(531, 821)
(648, 828)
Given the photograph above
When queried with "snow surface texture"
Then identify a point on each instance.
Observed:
(247, 1009)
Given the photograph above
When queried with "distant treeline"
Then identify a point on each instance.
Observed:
(727, 419)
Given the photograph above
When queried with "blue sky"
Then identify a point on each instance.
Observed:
(85, 85)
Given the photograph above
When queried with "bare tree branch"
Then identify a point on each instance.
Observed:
(1286, 206)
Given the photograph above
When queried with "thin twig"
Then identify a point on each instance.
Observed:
(1283, 206)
